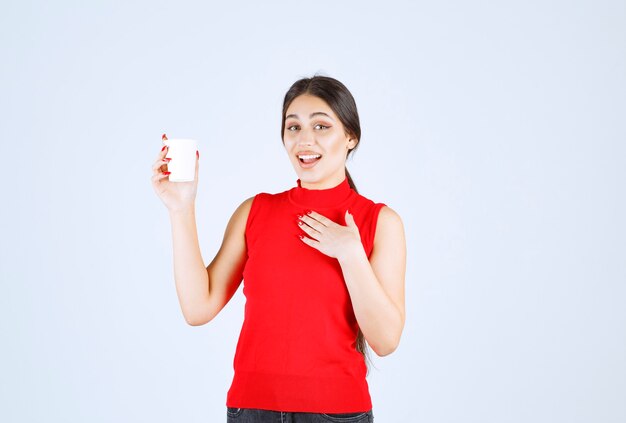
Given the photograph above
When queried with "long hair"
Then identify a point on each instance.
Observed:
(340, 100)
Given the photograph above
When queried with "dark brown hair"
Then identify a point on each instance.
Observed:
(339, 99)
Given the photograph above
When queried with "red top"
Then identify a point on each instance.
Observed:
(297, 347)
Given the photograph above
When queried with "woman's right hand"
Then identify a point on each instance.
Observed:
(176, 196)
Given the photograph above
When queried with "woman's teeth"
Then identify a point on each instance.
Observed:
(309, 158)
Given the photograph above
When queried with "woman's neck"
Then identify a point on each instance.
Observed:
(325, 183)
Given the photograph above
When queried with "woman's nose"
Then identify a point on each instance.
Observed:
(305, 138)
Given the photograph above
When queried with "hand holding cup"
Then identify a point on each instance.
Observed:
(175, 173)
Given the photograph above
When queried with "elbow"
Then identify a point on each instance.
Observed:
(384, 350)
(199, 314)
(196, 320)
(194, 323)
(390, 342)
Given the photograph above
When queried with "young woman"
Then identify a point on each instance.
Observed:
(323, 270)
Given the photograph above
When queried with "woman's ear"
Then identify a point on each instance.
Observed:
(352, 142)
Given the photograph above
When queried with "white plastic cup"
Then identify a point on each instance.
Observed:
(182, 151)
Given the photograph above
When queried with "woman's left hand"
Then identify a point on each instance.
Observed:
(329, 237)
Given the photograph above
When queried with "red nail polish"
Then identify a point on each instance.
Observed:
(164, 147)
(166, 173)
(197, 153)
(164, 137)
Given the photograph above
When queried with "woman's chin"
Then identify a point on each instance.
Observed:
(308, 177)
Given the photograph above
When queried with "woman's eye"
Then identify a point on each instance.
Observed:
(289, 128)
(323, 126)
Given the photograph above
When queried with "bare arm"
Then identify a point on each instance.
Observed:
(203, 292)
(377, 286)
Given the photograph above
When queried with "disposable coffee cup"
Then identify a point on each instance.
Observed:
(182, 151)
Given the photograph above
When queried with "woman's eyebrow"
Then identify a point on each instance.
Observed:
(310, 116)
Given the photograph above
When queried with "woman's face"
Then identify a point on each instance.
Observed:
(313, 129)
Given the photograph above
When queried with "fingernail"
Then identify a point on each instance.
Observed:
(197, 153)
(167, 159)
(164, 147)
(164, 137)
(166, 173)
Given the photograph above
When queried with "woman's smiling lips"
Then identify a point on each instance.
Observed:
(308, 159)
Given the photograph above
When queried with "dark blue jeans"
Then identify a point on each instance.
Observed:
(254, 415)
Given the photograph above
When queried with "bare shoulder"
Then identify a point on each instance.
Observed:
(246, 204)
(389, 222)
(243, 210)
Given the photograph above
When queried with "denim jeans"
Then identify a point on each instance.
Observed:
(254, 415)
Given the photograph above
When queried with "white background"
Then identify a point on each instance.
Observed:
(495, 129)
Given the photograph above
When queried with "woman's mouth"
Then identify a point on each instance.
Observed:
(309, 160)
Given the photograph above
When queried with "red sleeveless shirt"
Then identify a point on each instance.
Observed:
(297, 347)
